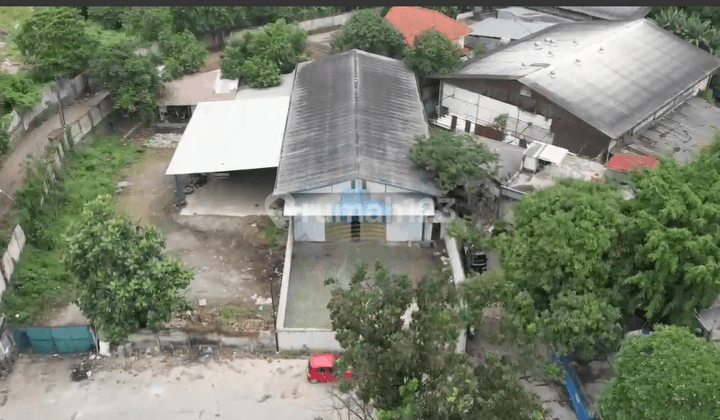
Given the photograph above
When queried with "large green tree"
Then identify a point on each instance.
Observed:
(366, 30)
(433, 54)
(456, 159)
(55, 40)
(261, 55)
(669, 374)
(126, 282)
(561, 268)
(182, 53)
(673, 242)
(415, 373)
(132, 79)
(147, 23)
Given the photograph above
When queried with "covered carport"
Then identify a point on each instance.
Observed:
(226, 161)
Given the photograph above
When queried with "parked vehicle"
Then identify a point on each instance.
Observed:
(473, 258)
(321, 368)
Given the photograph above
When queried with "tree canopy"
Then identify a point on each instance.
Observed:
(560, 265)
(131, 78)
(125, 280)
(673, 240)
(182, 53)
(669, 374)
(55, 40)
(433, 54)
(147, 23)
(368, 31)
(261, 55)
(415, 373)
(455, 158)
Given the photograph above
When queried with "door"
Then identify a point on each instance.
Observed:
(453, 123)
(467, 126)
(435, 235)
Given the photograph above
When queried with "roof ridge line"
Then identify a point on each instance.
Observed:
(355, 113)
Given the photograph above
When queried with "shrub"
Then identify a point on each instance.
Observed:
(368, 31)
(183, 53)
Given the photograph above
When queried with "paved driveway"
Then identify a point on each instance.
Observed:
(161, 387)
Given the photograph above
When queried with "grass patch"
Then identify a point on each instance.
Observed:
(13, 15)
(232, 314)
(275, 235)
(40, 282)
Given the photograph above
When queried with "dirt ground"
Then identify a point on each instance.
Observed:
(233, 262)
(212, 63)
(177, 386)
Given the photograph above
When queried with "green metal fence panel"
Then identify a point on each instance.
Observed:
(51, 340)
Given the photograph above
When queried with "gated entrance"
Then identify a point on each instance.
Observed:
(66, 339)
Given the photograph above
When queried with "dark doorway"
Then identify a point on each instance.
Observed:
(435, 234)
(355, 228)
(453, 124)
(467, 126)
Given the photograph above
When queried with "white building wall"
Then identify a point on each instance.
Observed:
(480, 109)
(309, 229)
(338, 188)
(315, 339)
(402, 229)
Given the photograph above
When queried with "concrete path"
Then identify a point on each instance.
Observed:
(163, 387)
(12, 166)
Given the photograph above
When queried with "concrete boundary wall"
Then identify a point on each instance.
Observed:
(173, 339)
(60, 142)
(69, 89)
(456, 264)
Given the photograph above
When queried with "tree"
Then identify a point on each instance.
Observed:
(125, 280)
(55, 41)
(409, 373)
(261, 55)
(182, 53)
(208, 19)
(110, 17)
(669, 374)
(147, 23)
(368, 31)
(132, 79)
(433, 54)
(561, 267)
(672, 242)
(456, 159)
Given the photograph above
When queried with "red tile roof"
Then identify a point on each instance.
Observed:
(624, 163)
(412, 20)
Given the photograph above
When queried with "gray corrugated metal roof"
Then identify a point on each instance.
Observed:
(626, 70)
(507, 28)
(509, 157)
(611, 12)
(679, 134)
(353, 116)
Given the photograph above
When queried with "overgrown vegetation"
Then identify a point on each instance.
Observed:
(368, 31)
(277, 236)
(456, 159)
(669, 374)
(182, 54)
(262, 55)
(501, 121)
(40, 280)
(432, 54)
(132, 79)
(582, 260)
(415, 373)
(125, 280)
(699, 25)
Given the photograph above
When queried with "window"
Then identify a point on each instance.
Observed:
(331, 371)
(321, 370)
(525, 91)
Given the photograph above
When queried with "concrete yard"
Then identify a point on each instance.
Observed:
(313, 262)
(163, 387)
(241, 194)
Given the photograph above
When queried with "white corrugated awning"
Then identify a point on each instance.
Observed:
(546, 152)
(232, 136)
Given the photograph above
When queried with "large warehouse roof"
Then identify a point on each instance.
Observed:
(353, 116)
(612, 75)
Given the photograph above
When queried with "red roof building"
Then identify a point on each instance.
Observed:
(625, 163)
(413, 20)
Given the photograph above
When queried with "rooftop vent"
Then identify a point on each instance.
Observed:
(601, 49)
(552, 72)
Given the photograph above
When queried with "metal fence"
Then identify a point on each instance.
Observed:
(54, 340)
